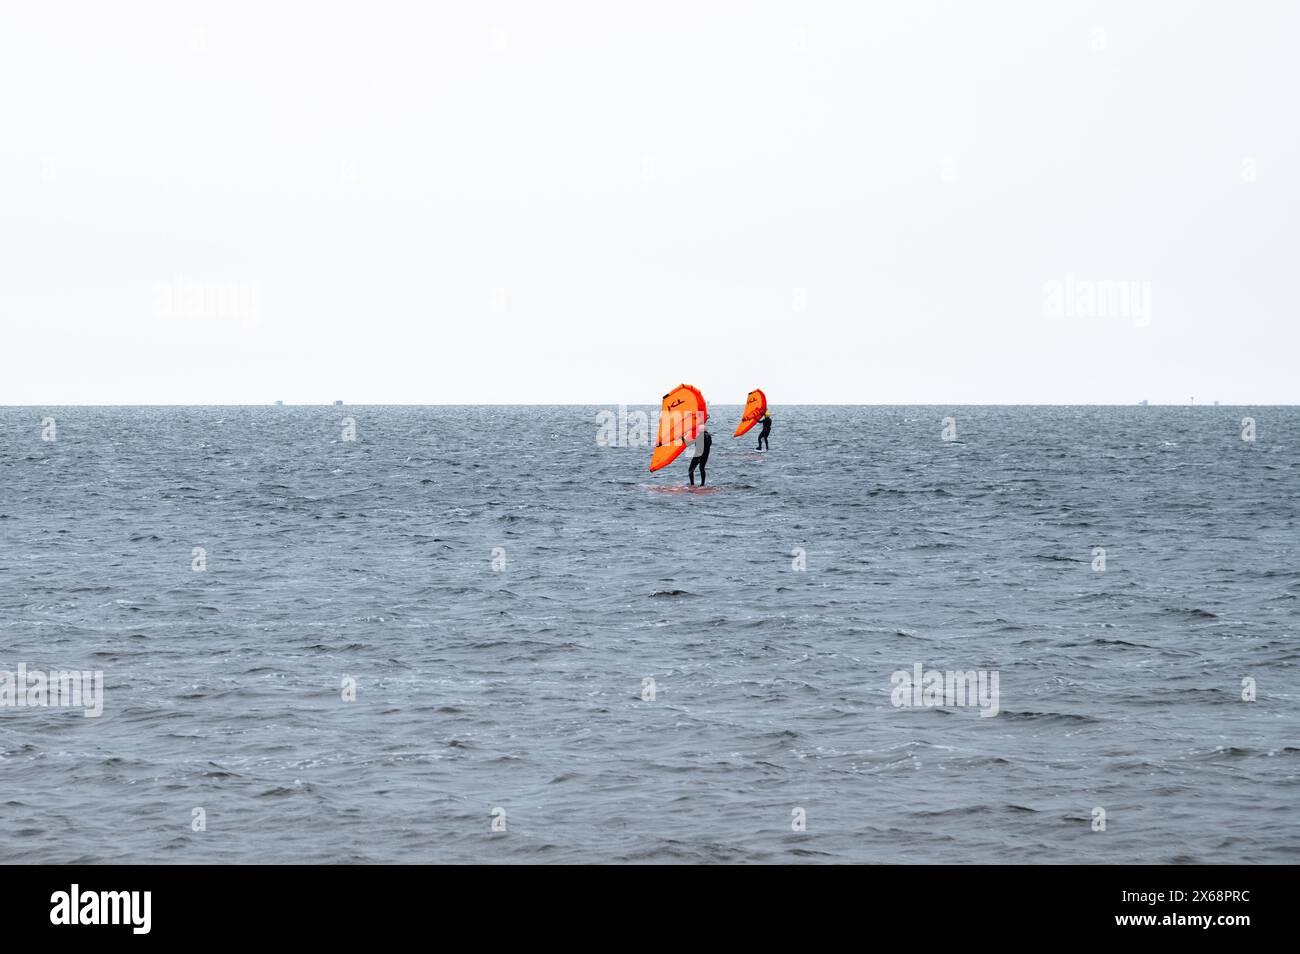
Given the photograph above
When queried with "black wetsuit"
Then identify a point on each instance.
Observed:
(700, 461)
(762, 435)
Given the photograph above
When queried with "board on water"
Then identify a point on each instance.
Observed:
(680, 489)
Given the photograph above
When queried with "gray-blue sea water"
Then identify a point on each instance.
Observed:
(499, 587)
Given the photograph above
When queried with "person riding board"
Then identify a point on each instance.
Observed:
(767, 429)
(701, 456)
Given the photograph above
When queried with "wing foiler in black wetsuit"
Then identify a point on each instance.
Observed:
(702, 445)
(762, 435)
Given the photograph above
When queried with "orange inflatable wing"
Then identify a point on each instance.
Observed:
(755, 408)
(681, 418)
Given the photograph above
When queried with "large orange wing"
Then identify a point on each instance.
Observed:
(755, 408)
(681, 418)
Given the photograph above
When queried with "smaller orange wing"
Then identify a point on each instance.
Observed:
(755, 408)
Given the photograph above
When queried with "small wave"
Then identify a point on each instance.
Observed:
(1193, 612)
(968, 810)
(1049, 718)
(1220, 752)
(278, 792)
(1102, 641)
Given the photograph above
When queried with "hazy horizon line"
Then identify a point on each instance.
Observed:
(650, 404)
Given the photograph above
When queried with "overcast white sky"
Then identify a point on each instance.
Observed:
(593, 202)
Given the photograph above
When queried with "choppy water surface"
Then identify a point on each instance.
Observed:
(522, 688)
